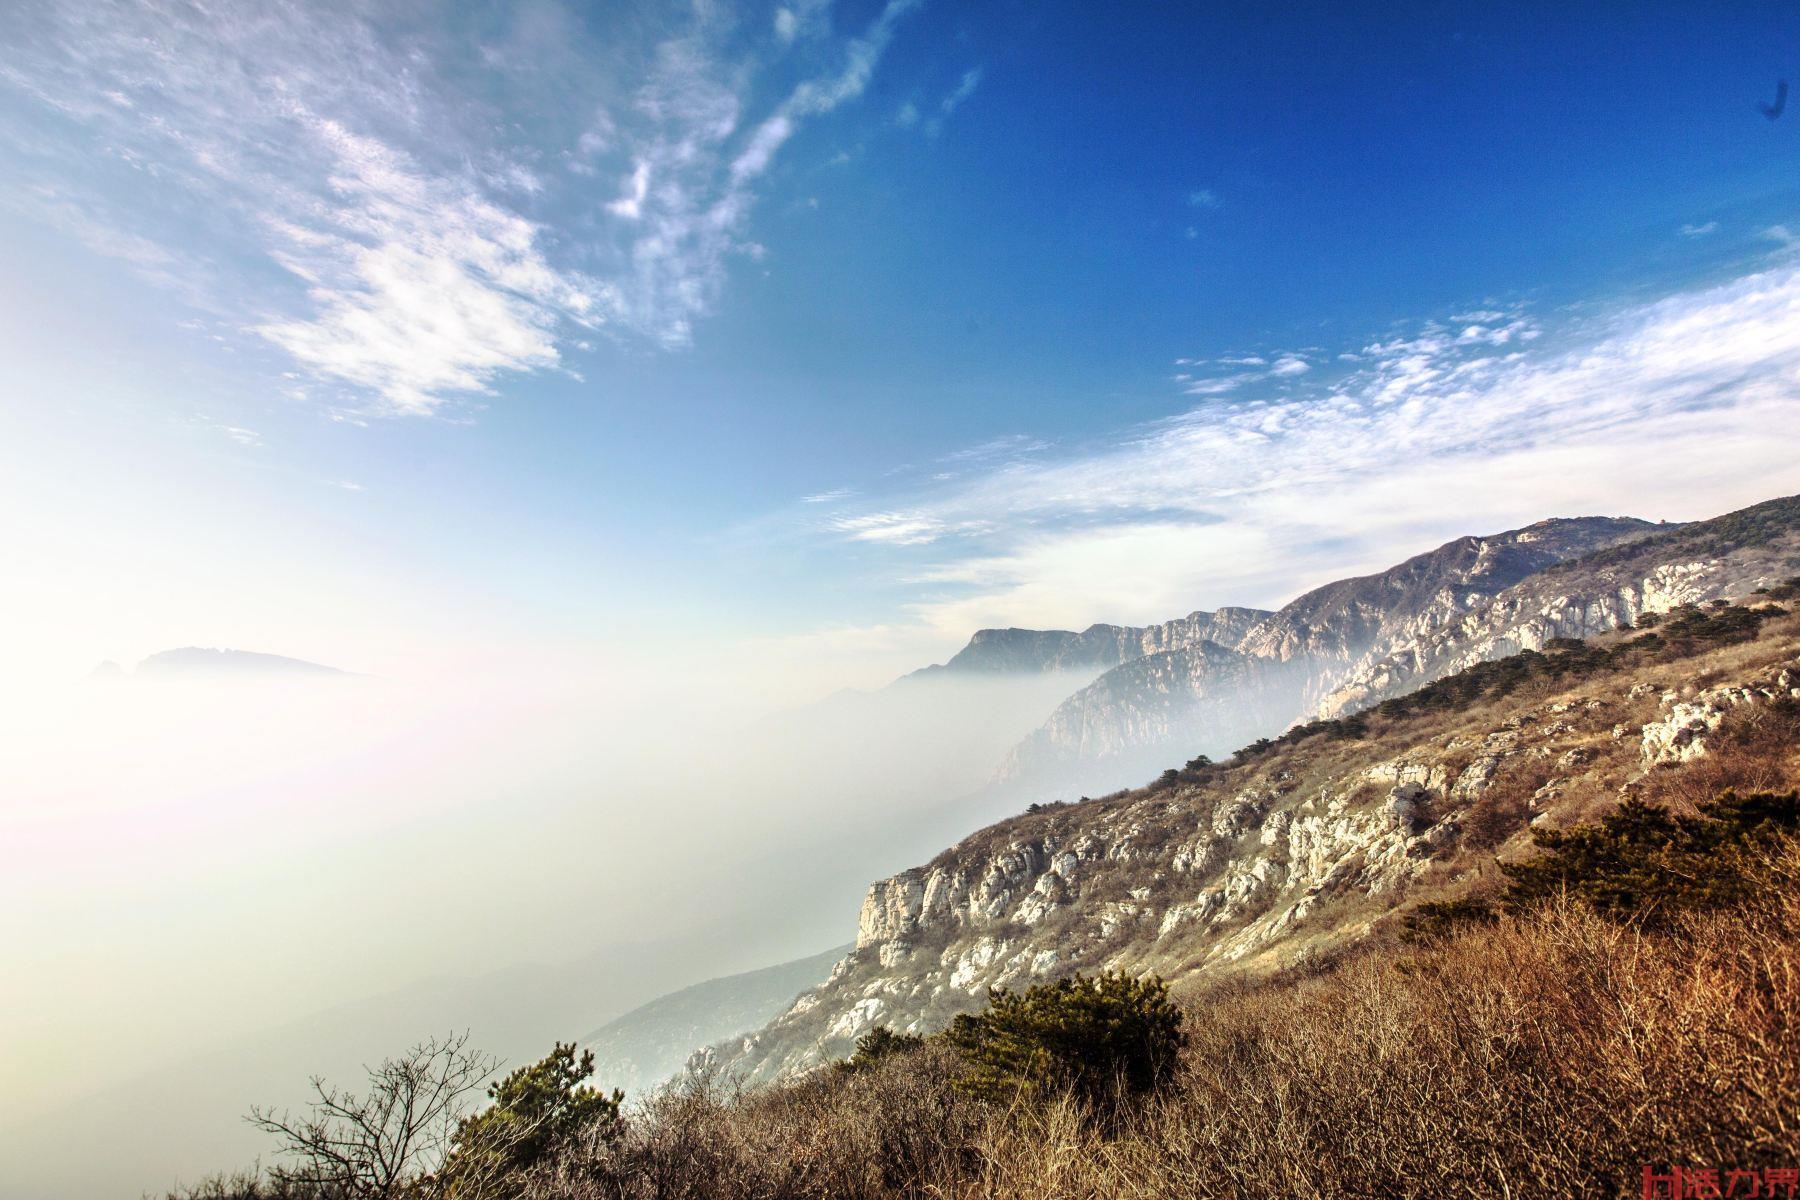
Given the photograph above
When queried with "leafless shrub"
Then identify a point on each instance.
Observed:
(378, 1145)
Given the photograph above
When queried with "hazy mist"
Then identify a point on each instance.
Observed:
(236, 882)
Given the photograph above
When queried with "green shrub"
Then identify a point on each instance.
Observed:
(1435, 918)
(1644, 861)
(877, 1044)
(1097, 1038)
(536, 1110)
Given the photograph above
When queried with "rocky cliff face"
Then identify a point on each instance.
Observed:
(1254, 864)
(1209, 695)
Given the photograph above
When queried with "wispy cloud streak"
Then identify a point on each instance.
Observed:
(430, 239)
(1671, 408)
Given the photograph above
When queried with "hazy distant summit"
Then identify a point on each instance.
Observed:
(202, 662)
(1098, 647)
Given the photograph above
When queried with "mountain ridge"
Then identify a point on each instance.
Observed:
(1297, 845)
(1133, 713)
(1036, 651)
(1306, 846)
(201, 661)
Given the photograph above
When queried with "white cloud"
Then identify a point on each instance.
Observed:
(420, 288)
(1289, 364)
(1203, 198)
(801, 19)
(702, 160)
(829, 497)
(1007, 446)
(1219, 386)
(899, 529)
(1667, 409)
(1694, 231)
(908, 116)
(965, 87)
(630, 205)
(431, 254)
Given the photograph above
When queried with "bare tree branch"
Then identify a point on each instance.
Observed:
(373, 1146)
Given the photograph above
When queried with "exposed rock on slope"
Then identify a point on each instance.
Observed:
(1289, 849)
(1207, 695)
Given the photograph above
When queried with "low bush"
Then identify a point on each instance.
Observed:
(533, 1112)
(877, 1044)
(1100, 1039)
(1644, 861)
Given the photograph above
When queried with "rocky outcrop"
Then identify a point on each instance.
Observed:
(1686, 724)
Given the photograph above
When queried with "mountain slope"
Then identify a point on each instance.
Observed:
(650, 1044)
(1142, 714)
(1686, 564)
(1303, 845)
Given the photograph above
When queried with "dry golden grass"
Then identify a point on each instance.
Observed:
(1555, 1055)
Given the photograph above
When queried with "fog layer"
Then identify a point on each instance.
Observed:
(213, 888)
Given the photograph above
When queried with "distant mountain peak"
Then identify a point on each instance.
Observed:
(1099, 647)
(196, 662)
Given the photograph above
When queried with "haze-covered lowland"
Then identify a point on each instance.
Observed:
(820, 599)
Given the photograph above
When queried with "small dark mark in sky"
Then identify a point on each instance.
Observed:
(1773, 111)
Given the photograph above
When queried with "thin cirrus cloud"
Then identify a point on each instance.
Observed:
(406, 245)
(965, 87)
(909, 115)
(1482, 422)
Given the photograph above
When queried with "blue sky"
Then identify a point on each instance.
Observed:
(823, 333)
